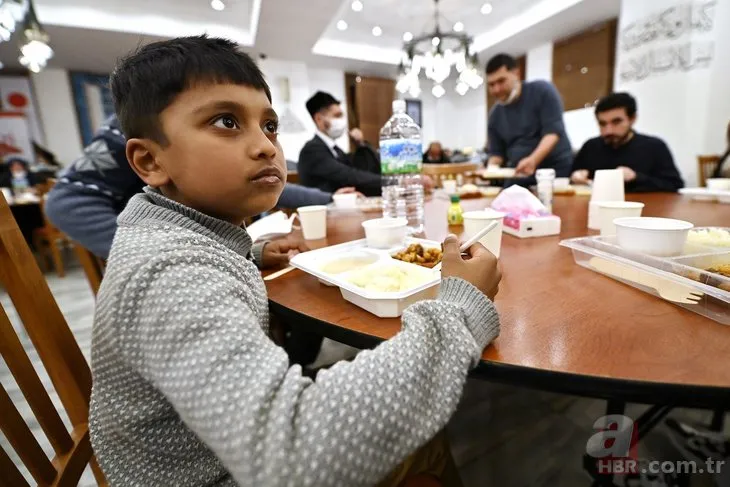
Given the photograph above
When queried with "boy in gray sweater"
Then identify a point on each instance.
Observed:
(189, 389)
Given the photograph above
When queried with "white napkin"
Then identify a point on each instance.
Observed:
(271, 226)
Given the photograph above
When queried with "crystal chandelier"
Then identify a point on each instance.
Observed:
(35, 50)
(435, 54)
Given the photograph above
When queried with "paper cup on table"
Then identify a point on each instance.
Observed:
(610, 210)
(313, 220)
(345, 201)
(449, 186)
(476, 220)
(608, 185)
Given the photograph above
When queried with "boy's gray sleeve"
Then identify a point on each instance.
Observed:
(198, 340)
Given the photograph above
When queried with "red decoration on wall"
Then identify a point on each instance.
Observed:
(17, 100)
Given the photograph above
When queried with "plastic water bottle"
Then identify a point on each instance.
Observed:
(545, 180)
(400, 161)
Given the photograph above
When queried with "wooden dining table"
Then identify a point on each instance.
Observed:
(563, 328)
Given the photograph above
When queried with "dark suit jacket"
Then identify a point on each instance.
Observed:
(319, 168)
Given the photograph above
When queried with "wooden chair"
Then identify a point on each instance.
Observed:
(292, 177)
(93, 266)
(61, 358)
(48, 239)
(706, 166)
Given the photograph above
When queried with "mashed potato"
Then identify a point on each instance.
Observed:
(714, 237)
(388, 278)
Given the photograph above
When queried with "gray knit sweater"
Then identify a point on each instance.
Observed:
(190, 391)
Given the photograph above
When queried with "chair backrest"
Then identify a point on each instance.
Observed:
(63, 361)
(706, 166)
(93, 266)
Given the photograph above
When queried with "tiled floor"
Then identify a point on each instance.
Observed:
(501, 436)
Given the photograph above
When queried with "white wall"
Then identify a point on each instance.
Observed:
(688, 108)
(580, 125)
(454, 120)
(303, 83)
(57, 113)
(539, 63)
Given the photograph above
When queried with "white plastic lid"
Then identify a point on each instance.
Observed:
(399, 106)
(545, 174)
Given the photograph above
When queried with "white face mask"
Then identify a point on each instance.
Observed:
(337, 127)
(513, 94)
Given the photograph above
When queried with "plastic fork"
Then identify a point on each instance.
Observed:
(667, 289)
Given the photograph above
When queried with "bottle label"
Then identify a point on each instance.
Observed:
(400, 156)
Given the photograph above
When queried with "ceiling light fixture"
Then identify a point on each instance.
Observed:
(357, 6)
(342, 25)
(435, 54)
(486, 9)
(377, 31)
(459, 27)
(11, 12)
(407, 37)
(34, 48)
(217, 5)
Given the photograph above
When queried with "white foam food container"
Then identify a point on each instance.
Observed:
(706, 194)
(381, 304)
(687, 270)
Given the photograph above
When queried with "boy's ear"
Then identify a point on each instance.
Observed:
(142, 156)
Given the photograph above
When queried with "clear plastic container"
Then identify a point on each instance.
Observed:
(648, 273)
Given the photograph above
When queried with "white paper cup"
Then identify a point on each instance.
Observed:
(608, 211)
(345, 201)
(722, 184)
(385, 233)
(313, 220)
(561, 183)
(449, 185)
(608, 185)
(476, 220)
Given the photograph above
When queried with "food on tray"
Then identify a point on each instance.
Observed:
(387, 278)
(416, 254)
(723, 270)
(713, 237)
(347, 264)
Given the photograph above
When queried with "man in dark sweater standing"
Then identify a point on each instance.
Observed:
(646, 161)
(526, 129)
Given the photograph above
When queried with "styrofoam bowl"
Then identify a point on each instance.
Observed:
(385, 233)
(722, 184)
(661, 237)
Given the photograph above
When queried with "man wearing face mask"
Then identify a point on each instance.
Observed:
(646, 161)
(526, 129)
(324, 165)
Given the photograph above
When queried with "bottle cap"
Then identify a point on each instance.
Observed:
(455, 198)
(399, 106)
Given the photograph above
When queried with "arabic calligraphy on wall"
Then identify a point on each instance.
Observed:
(674, 39)
(670, 24)
(682, 57)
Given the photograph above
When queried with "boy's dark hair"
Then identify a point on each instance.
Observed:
(617, 100)
(496, 62)
(147, 81)
(319, 101)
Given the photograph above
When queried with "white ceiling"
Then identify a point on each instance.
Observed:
(89, 35)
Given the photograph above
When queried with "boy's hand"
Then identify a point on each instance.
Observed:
(278, 252)
(479, 269)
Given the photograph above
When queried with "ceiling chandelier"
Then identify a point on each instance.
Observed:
(435, 54)
(35, 50)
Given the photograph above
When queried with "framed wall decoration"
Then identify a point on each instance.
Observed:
(93, 100)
